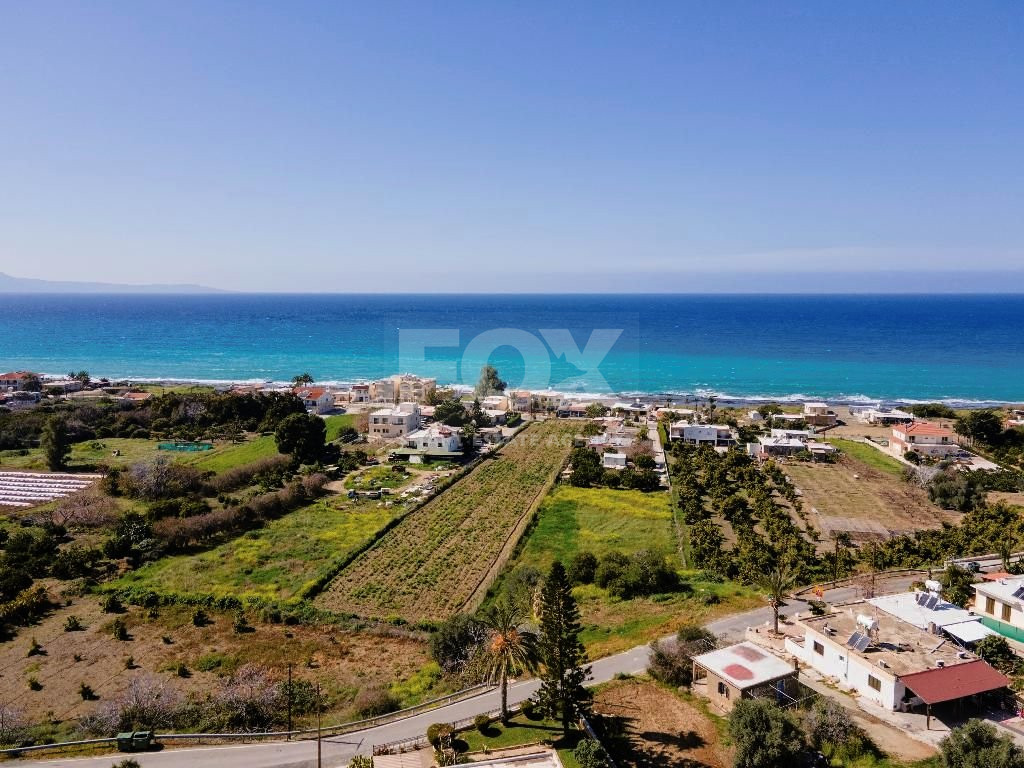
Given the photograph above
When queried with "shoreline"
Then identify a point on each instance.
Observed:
(678, 398)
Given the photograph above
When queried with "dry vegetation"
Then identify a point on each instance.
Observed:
(659, 728)
(344, 662)
(429, 565)
(870, 498)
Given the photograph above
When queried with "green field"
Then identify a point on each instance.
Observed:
(132, 450)
(375, 478)
(337, 423)
(873, 457)
(275, 562)
(598, 520)
(229, 455)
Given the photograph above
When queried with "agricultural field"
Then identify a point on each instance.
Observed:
(276, 562)
(600, 520)
(432, 563)
(343, 661)
(862, 500)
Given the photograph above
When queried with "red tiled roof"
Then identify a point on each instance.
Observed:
(15, 375)
(955, 681)
(310, 393)
(924, 428)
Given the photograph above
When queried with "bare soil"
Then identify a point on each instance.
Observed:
(659, 728)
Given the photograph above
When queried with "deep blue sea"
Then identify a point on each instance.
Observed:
(959, 348)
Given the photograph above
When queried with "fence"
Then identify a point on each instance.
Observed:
(305, 733)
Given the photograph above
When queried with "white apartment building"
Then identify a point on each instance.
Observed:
(925, 438)
(718, 435)
(395, 422)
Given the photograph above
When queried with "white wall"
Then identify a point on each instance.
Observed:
(852, 671)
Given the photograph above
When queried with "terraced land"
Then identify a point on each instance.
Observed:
(436, 560)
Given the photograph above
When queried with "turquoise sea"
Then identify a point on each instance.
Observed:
(956, 348)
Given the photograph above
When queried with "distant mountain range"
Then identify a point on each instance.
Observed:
(9, 284)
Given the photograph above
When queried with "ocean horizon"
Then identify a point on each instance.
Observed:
(961, 349)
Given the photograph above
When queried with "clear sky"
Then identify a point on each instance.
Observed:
(492, 146)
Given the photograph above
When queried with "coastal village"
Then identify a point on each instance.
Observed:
(901, 651)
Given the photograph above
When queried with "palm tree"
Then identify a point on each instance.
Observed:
(776, 584)
(510, 650)
(302, 378)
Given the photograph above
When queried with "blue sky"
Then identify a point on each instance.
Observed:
(509, 146)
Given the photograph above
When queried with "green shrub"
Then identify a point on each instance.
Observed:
(86, 692)
(199, 618)
(438, 732)
(73, 624)
(119, 629)
(111, 604)
(590, 754)
(482, 723)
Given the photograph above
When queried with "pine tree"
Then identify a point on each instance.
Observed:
(55, 442)
(561, 692)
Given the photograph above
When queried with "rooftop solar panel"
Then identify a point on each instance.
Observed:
(862, 644)
(855, 638)
(933, 600)
(1018, 592)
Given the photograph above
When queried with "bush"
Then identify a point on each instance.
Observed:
(128, 762)
(582, 568)
(530, 710)
(73, 624)
(482, 723)
(590, 754)
(199, 618)
(438, 731)
(86, 692)
(111, 604)
(119, 629)
(455, 641)
(610, 568)
(670, 664)
(361, 761)
(375, 701)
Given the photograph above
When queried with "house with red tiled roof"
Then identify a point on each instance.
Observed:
(316, 399)
(16, 379)
(925, 438)
(136, 397)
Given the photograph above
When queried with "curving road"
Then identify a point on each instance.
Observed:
(338, 750)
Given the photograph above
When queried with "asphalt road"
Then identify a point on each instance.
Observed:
(338, 750)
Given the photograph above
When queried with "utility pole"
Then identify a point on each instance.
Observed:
(289, 701)
(319, 762)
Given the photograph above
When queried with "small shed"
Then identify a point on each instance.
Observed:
(744, 671)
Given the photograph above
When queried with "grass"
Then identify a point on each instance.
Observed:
(275, 562)
(598, 520)
(337, 423)
(134, 450)
(229, 455)
(521, 731)
(601, 520)
(869, 455)
(375, 478)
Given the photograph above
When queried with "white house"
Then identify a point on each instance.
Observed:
(754, 417)
(890, 662)
(999, 604)
(15, 379)
(359, 393)
(613, 461)
(717, 435)
(315, 399)
(818, 415)
(925, 438)
(883, 416)
(436, 441)
(395, 422)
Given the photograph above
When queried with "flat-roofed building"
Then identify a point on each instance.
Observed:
(743, 671)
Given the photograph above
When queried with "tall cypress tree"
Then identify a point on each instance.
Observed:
(561, 692)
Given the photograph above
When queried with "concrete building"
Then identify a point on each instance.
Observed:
(403, 388)
(717, 435)
(395, 422)
(15, 380)
(889, 662)
(819, 415)
(999, 605)
(613, 461)
(743, 671)
(434, 442)
(925, 438)
(315, 399)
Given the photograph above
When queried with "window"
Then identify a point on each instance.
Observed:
(819, 648)
(723, 690)
(1006, 613)
(874, 683)
(990, 605)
